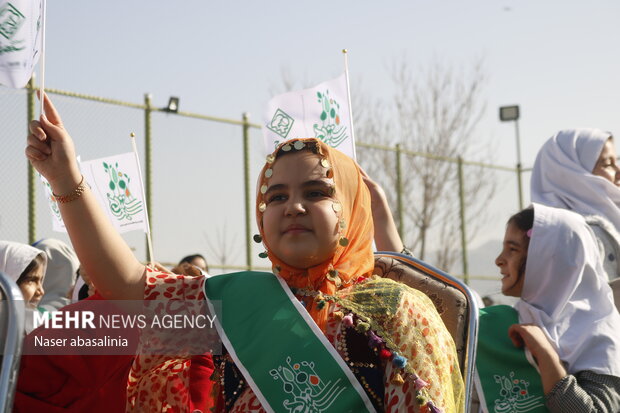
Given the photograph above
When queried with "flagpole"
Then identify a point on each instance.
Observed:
(42, 87)
(149, 241)
(346, 76)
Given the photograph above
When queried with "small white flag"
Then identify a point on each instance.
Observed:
(20, 40)
(58, 224)
(320, 112)
(115, 182)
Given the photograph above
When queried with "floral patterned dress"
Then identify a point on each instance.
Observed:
(162, 384)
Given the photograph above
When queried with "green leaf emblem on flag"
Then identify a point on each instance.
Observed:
(331, 131)
(53, 203)
(281, 123)
(121, 201)
(11, 19)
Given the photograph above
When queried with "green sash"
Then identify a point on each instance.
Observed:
(281, 352)
(509, 382)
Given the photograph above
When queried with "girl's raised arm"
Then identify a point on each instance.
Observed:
(115, 271)
(386, 233)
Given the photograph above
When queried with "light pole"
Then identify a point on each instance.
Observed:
(508, 113)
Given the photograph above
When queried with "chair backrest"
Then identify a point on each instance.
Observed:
(452, 298)
(11, 336)
(615, 287)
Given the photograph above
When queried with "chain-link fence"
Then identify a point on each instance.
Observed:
(200, 181)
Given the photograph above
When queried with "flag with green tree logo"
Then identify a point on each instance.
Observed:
(58, 224)
(115, 182)
(320, 112)
(20, 40)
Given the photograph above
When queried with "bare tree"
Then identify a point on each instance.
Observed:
(433, 111)
(222, 246)
(288, 82)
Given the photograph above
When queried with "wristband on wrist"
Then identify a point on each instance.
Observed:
(71, 196)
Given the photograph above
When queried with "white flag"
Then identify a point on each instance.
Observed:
(320, 112)
(20, 40)
(115, 182)
(58, 224)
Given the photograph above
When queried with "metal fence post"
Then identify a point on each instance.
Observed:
(248, 199)
(399, 191)
(147, 168)
(520, 185)
(462, 214)
(519, 165)
(32, 217)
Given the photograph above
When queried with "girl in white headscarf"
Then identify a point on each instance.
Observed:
(576, 169)
(26, 266)
(567, 319)
(62, 266)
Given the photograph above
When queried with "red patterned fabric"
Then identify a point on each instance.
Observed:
(160, 383)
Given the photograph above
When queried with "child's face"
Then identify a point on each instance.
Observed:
(606, 164)
(299, 223)
(32, 287)
(510, 260)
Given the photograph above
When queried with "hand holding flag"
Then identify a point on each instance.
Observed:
(51, 152)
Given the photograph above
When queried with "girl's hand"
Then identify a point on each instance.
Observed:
(549, 363)
(386, 233)
(532, 337)
(377, 194)
(159, 267)
(104, 255)
(51, 152)
(187, 269)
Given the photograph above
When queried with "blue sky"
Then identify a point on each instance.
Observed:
(558, 60)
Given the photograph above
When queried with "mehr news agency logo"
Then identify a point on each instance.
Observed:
(76, 321)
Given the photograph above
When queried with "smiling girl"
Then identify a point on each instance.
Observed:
(320, 333)
(565, 318)
(577, 169)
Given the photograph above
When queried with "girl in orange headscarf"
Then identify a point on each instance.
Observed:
(314, 217)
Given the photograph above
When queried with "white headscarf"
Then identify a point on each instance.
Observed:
(562, 175)
(62, 264)
(15, 257)
(565, 292)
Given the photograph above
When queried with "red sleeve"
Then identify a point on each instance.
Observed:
(72, 383)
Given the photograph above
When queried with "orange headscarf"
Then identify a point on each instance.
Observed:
(351, 261)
